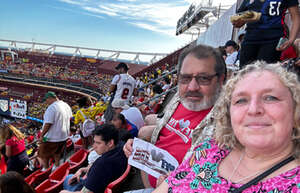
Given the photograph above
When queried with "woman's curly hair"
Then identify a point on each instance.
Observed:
(224, 134)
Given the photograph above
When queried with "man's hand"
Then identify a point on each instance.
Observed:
(238, 23)
(40, 140)
(75, 177)
(128, 147)
(161, 179)
(72, 180)
(65, 191)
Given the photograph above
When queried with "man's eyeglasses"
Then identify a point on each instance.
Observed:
(200, 79)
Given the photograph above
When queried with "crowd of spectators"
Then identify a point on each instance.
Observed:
(193, 104)
(56, 72)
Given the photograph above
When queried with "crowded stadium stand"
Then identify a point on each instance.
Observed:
(28, 70)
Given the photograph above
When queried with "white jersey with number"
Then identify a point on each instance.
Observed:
(125, 86)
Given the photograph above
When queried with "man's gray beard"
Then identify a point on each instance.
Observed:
(205, 103)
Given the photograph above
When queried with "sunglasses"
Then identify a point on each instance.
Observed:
(200, 79)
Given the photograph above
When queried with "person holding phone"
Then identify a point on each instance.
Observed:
(267, 37)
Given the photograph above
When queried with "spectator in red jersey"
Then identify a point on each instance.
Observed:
(201, 72)
(14, 148)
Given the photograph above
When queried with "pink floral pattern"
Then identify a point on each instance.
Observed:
(200, 174)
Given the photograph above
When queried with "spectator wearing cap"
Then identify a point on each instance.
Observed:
(55, 131)
(231, 51)
(122, 87)
(132, 114)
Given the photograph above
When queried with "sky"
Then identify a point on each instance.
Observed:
(127, 25)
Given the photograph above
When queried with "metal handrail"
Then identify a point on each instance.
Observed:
(157, 96)
(159, 78)
(29, 144)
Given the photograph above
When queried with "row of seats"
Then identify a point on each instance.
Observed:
(55, 181)
(47, 182)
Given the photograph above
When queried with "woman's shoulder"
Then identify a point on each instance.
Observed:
(286, 182)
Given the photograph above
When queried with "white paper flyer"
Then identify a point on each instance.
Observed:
(151, 159)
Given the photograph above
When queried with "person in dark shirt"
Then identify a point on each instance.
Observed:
(262, 36)
(108, 167)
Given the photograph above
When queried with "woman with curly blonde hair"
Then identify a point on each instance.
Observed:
(256, 145)
(14, 148)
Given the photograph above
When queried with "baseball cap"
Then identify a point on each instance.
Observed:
(118, 103)
(122, 65)
(49, 94)
(230, 43)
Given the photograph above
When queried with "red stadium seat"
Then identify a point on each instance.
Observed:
(31, 178)
(55, 181)
(39, 176)
(3, 166)
(115, 185)
(70, 145)
(77, 160)
(78, 145)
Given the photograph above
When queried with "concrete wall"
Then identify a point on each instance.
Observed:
(221, 31)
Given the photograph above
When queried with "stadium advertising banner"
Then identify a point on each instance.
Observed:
(4, 107)
(18, 108)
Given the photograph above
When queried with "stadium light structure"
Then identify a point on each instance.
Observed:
(136, 57)
(200, 15)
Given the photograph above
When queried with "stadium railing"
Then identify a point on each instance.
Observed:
(156, 80)
(159, 78)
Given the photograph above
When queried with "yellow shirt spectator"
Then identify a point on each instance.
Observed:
(90, 112)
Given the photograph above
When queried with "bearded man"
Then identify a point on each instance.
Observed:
(201, 73)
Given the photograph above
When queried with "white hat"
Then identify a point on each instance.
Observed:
(118, 103)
